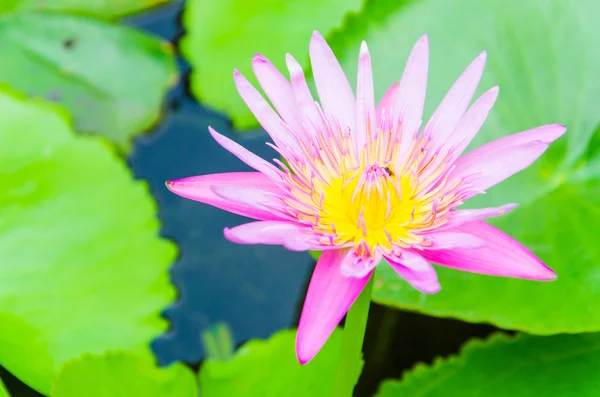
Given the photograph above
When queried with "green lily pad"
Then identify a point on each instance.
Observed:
(270, 369)
(97, 8)
(503, 366)
(122, 374)
(83, 268)
(544, 56)
(112, 78)
(226, 34)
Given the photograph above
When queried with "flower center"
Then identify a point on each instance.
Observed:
(372, 207)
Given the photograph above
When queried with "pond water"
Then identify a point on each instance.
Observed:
(256, 290)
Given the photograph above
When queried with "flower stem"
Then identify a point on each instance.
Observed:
(352, 340)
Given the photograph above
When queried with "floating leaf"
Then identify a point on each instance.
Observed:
(225, 35)
(544, 55)
(98, 8)
(111, 78)
(122, 374)
(270, 368)
(560, 365)
(83, 268)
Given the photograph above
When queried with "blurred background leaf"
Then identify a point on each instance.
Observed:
(122, 374)
(270, 368)
(98, 8)
(82, 262)
(505, 366)
(224, 35)
(112, 78)
(544, 78)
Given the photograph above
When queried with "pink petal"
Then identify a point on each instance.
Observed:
(199, 188)
(246, 156)
(310, 114)
(415, 270)
(452, 239)
(386, 103)
(455, 103)
(334, 90)
(494, 162)
(242, 195)
(279, 91)
(458, 217)
(501, 256)
(471, 122)
(329, 297)
(263, 112)
(291, 235)
(356, 266)
(411, 94)
(365, 99)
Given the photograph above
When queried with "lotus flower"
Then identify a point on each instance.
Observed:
(364, 183)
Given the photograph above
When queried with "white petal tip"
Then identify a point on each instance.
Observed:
(317, 35)
(364, 49)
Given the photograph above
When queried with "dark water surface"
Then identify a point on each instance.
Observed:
(257, 290)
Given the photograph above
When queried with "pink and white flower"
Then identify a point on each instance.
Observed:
(365, 183)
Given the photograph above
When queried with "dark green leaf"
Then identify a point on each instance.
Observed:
(560, 365)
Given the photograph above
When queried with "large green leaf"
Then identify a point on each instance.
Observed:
(544, 55)
(111, 78)
(99, 8)
(122, 374)
(270, 368)
(82, 267)
(559, 365)
(223, 35)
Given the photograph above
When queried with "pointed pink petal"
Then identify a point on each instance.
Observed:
(334, 90)
(494, 162)
(329, 297)
(279, 91)
(199, 188)
(291, 235)
(386, 103)
(356, 266)
(245, 155)
(413, 268)
(471, 122)
(458, 217)
(501, 256)
(306, 103)
(411, 94)
(365, 99)
(455, 103)
(452, 239)
(263, 112)
(248, 196)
